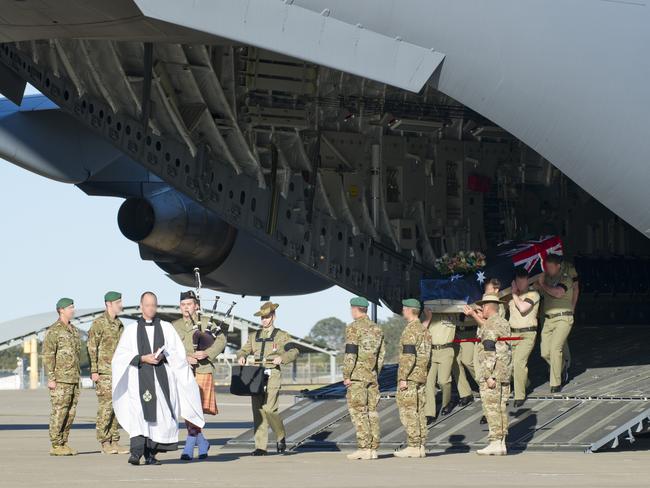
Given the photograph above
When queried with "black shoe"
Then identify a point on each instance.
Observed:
(430, 420)
(281, 446)
(556, 389)
(483, 420)
(203, 456)
(446, 410)
(468, 400)
(519, 403)
(135, 460)
(185, 457)
(258, 452)
(152, 461)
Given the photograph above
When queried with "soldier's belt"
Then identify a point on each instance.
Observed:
(561, 314)
(476, 339)
(437, 347)
(525, 329)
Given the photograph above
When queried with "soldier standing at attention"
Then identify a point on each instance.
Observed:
(415, 352)
(61, 349)
(442, 329)
(493, 372)
(271, 347)
(557, 287)
(523, 323)
(202, 363)
(364, 358)
(103, 336)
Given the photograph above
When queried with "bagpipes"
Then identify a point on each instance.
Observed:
(203, 340)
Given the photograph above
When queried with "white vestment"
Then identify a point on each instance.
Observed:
(183, 389)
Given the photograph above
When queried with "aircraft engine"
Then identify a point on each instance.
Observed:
(179, 234)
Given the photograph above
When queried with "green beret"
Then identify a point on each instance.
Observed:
(411, 303)
(359, 302)
(112, 296)
(64, 302)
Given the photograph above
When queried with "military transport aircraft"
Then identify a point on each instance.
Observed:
(336, 142)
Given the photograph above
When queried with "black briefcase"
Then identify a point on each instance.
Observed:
(248, 380)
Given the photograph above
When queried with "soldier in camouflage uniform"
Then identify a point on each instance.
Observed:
(494, 366)
(61, 349)
(271, 347)
(364, 358)
(103, 336)
(202, 363)
(415, 353)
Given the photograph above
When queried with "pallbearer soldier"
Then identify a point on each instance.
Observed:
(464, 359)
(192, 330)
(103, 336)
(523, 323)
(557, 287)
(493, 372)
(415, 352)
(271, 347)
(442, 329)
(61, 349)
(364, 357)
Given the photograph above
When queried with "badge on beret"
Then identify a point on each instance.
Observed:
(188, 295)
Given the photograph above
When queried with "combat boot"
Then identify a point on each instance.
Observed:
(423, 451)
(58, 451)
(408, 452)
(361, 454)
(71, 452)
(120, 449)
(493, 449)
(108, 448)
(504, 448)
(373, 454)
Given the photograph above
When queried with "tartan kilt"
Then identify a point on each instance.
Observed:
(208, 395)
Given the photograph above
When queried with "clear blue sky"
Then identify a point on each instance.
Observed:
(57, 241)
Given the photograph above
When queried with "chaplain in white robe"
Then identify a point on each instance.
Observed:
(152, 392)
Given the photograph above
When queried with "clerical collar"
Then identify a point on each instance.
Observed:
(148, 322)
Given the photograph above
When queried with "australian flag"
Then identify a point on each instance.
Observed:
(499, 264)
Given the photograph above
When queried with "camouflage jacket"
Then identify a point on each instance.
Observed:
(61, 349)
(494, 356)
(103, 337)
(185, 329)
(415, 353)
(364, 351)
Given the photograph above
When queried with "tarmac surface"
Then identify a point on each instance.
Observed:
(24, 459)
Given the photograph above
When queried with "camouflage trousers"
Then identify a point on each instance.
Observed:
(108, 429)
(362, 404)
(495, 409)
(64, 400)
(410, 403)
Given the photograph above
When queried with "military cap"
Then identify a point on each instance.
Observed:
(187, 295)
(112, 296)
(489, 299)
(359, 302)
(411, 303)
(266, 309)
(64, 302)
